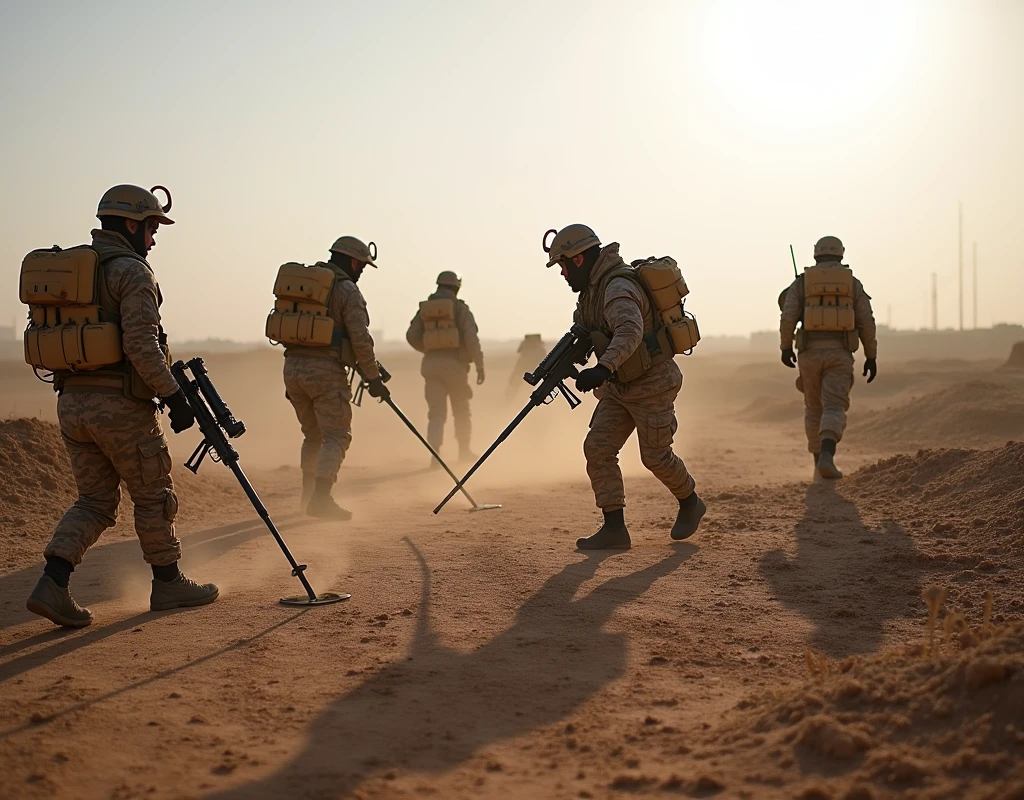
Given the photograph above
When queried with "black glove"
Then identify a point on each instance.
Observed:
(590, 379)
(870, 367)
(376, 388)
(789, 358)
(479, 375)
(180, 412)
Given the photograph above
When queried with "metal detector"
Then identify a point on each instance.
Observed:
(215, 420)
(385, 376)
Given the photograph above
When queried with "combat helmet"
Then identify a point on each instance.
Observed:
(134, 202)
(449, 279)
(568, 242)
(829, 246)
(352, 247)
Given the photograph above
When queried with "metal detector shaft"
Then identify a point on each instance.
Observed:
(426, 444)
(504, 435)
(297, 568)
(214, 439)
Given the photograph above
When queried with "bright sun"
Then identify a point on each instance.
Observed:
(778, 59)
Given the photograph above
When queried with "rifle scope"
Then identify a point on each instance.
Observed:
(232, 427)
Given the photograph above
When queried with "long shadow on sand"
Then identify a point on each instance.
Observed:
(846, 578)
(95, 582)
(433, 711)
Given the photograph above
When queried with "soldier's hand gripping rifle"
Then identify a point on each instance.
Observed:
(218, 424)
(385, 376)
(554, 369)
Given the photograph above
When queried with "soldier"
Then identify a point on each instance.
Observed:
(108, 420)
(613, 303)
(318, 387)
(531, 350)
(835, 313)
(445, 332)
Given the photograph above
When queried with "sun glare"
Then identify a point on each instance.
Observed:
(787, 61)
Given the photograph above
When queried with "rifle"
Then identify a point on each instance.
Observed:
(215, 420)
(385, 376)
(549, 377)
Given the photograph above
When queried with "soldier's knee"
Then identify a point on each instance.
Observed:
(102, 507)
(596, 447)
(657, 459)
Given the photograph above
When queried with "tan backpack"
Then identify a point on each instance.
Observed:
(828, 299)
(440, 331)
(301, 315)
(66, 330)
(667, 289)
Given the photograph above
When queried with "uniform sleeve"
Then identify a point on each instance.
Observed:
(414, 336)
(357, 325)
(792, 310)
(865, 320)
(140, 326)
(469, 334)
(623, 306)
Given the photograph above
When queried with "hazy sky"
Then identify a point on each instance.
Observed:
(455, 133)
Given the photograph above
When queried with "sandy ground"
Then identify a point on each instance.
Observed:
(480, 655)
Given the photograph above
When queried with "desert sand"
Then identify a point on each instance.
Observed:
(783, 651)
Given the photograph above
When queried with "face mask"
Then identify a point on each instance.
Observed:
(578, 278)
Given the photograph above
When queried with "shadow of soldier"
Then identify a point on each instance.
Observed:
(846, 578)
(436, 709)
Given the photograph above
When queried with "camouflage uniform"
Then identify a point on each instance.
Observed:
(111, 437)
(645, 404)
(446, 373)
(317, 386)
(826, 365)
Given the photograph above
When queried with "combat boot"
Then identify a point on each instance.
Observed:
(613, 535)
(57, 605)
(826, 462)
(182, 592)
(322, 505)
(691, 511)
(308, 481)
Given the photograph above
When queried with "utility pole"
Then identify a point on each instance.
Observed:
(974, 291)
(960, 256)
(935, 302)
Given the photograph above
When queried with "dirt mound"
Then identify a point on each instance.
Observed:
(947, 724)
(969, 490)
(965, 511)
(772, 409)
(975, 413)
(37, 487)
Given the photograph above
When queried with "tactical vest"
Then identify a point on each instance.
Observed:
(828, 311)
(673, 330)
(301, 318)
(440, 330)
(74, 329)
